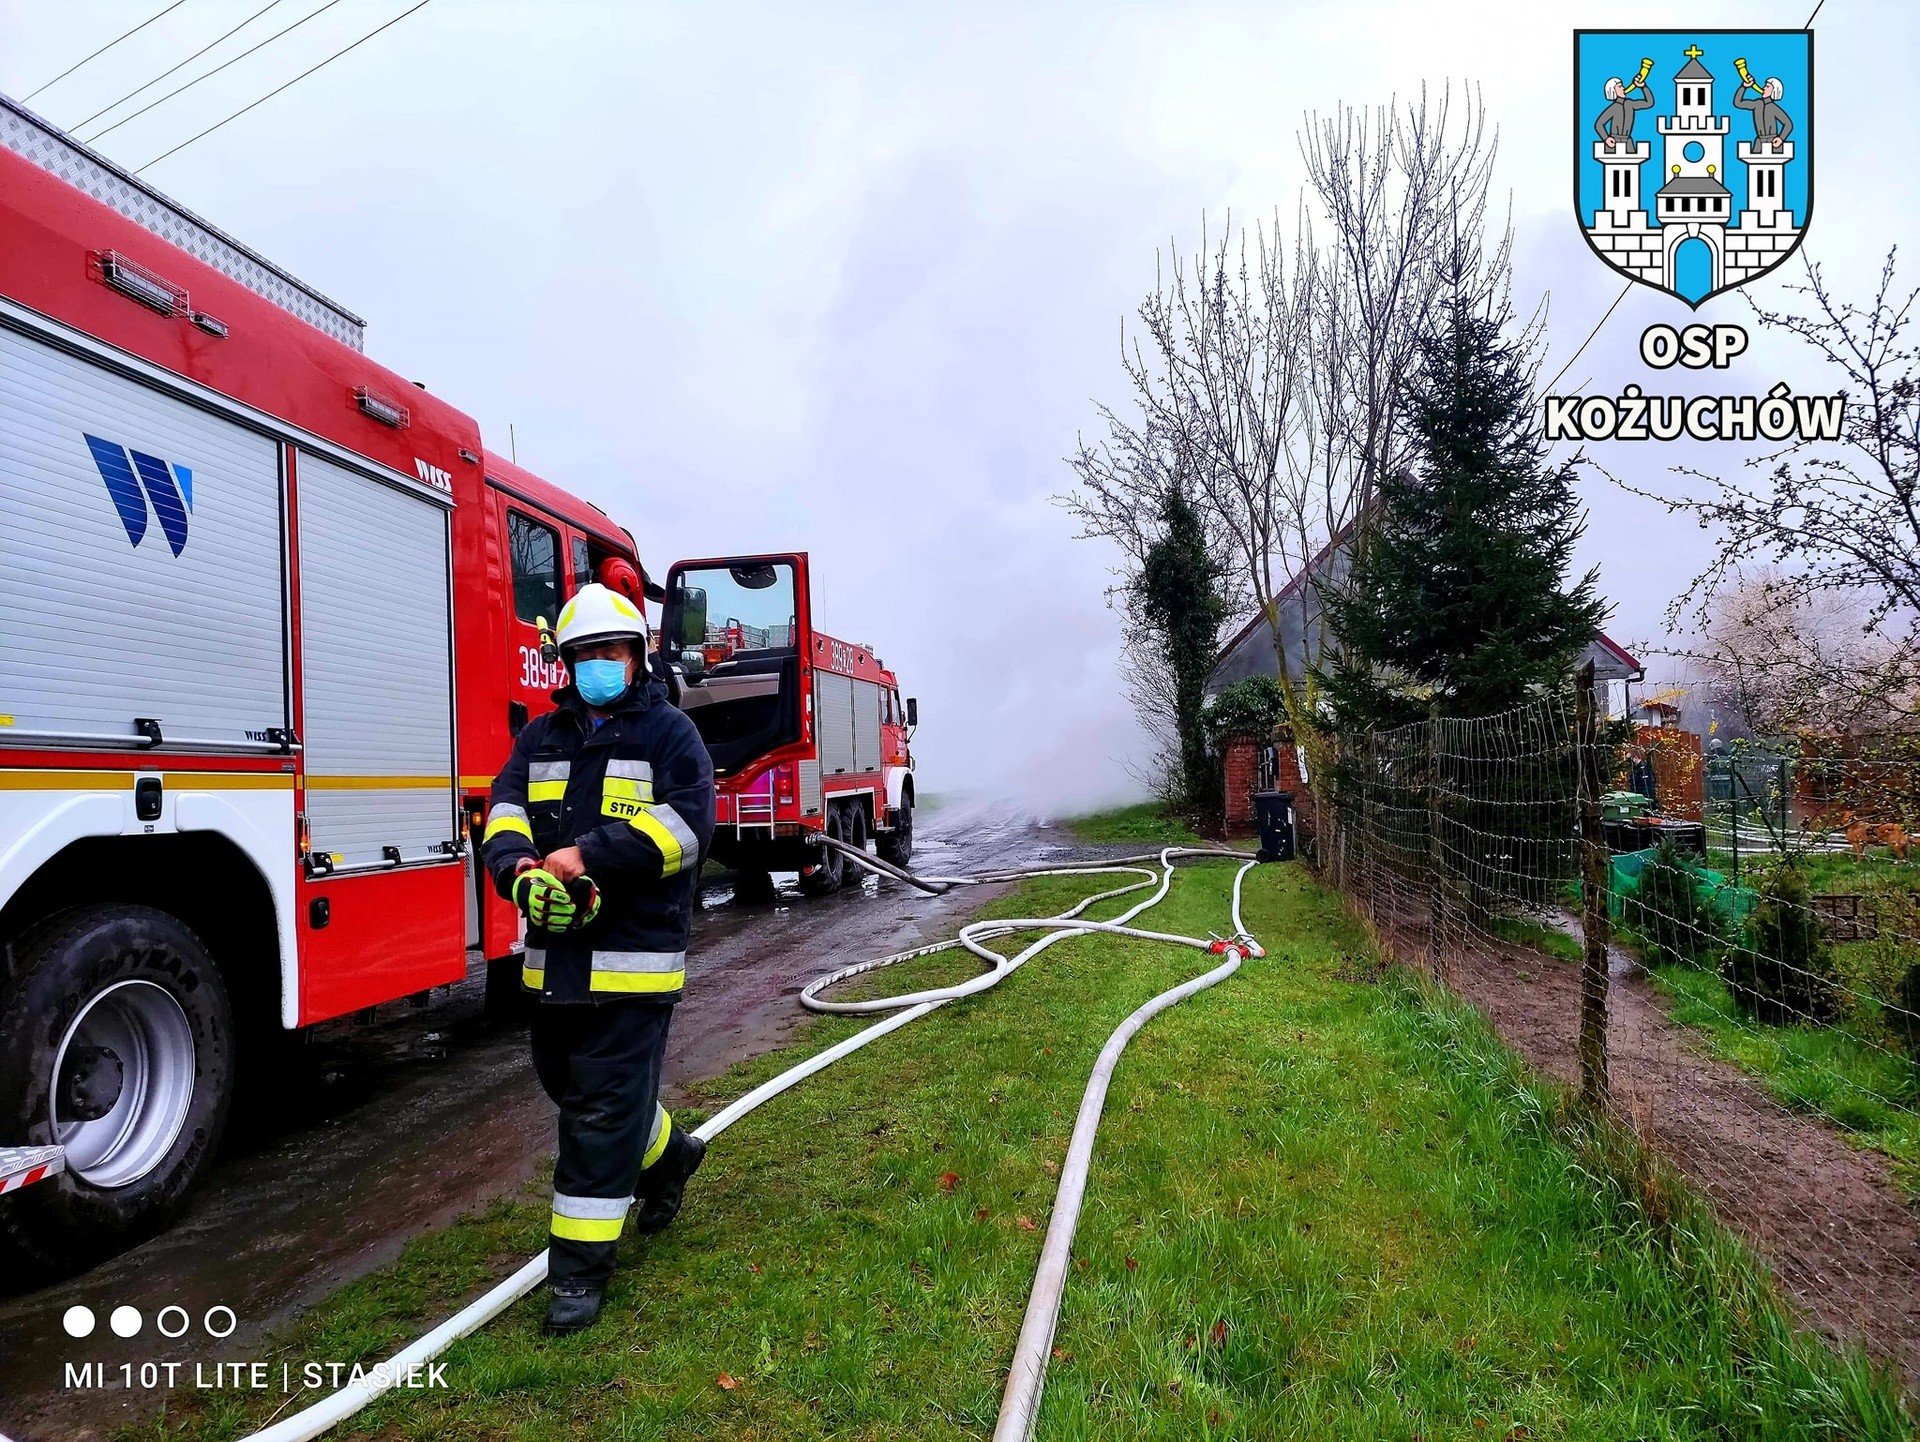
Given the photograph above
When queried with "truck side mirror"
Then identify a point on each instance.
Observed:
(690, 621)
(913, 710)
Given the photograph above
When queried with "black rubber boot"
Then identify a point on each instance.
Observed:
(572, 1309)
(664, 1184)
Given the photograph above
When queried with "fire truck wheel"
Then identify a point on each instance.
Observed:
(116, 1042)
(854, 873)
(507, 997)
(753, 884)
(896, 846)
(828, 875)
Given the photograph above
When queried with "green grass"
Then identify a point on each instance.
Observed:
(1841, 871)
(1852, 1070)
(1325, 1204)
(1830, 871)
(1866, 1088)
(1144, 821)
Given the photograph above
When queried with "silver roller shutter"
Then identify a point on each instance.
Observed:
(140, 559)
(375, 646)
(866, 726)
(833, 721)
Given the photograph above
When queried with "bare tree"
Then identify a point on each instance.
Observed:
(1267, 374)
(1125, 483)
(1837, 519)
(1782, 661)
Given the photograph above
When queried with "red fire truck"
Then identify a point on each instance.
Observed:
(270, 616)
(809, 735)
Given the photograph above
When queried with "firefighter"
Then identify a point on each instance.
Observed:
(598, 825)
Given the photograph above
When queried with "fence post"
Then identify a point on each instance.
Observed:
(1593, 917)
(1435, 859)
(1334, 780)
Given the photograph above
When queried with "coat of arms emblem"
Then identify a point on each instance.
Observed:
(1693, 155)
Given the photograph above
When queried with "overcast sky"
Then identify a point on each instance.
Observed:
(849, 278)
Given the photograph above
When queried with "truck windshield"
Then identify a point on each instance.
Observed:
(734, 609)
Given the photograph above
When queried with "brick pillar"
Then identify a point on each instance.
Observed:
(1287, 777)
(1242, 765)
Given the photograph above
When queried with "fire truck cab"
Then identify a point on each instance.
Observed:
(809, 734)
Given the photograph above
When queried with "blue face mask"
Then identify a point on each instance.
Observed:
(600, 683)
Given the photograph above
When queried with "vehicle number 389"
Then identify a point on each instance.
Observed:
(540, 675)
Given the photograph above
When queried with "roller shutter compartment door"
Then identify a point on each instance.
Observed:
(375, 645)
(140, 559)
(833, 721)
(866, 726)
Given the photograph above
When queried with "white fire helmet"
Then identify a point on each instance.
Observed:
(597, 613)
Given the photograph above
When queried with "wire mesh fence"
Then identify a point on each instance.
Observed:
(1751, 1010)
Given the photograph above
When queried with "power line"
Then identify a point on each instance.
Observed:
(142, 170)
(180, 89)
(1590, 335)
(165, 73)
(108, 46)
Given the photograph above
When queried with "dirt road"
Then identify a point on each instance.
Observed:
(391, 1130)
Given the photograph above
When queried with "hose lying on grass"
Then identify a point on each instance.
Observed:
(1020, 1403)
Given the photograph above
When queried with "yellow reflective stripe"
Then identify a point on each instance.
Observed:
(659, 1143)
(11, 780)
(648, 825)
(546, 790)
(631, 981)
(533, 978)
(498, 824)
(623, 798)
(662, 825)
(587, 1229)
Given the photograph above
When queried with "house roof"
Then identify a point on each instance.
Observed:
(1693, 70)
(1287, 592)
(1612, 661)
(1620, 654)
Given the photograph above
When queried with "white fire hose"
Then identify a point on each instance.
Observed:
(1019, 1404)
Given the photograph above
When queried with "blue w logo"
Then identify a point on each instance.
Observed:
(168, 487)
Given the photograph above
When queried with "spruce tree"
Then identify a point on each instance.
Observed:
(1456, 597)
(1178, 594)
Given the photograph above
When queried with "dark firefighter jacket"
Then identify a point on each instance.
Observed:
(635, 795)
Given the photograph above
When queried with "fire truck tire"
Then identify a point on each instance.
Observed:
(896, 846)
(829, 875)
(116, 1042)
(753, 884)
(856, 838)
(507, 997)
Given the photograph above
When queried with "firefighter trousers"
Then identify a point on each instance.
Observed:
(601, 1065)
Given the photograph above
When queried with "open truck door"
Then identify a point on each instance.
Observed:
(738, 631)
(806, 732)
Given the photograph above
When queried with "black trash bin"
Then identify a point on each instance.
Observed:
(1273, 814)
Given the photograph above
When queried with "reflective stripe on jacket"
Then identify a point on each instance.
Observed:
(635, 794)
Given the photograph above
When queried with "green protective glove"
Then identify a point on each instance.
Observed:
(586, 899)
(544, 900)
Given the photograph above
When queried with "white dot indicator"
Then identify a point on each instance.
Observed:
(217, 1331)
(179, 1329)
(125, 1321)
(78, 1321)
